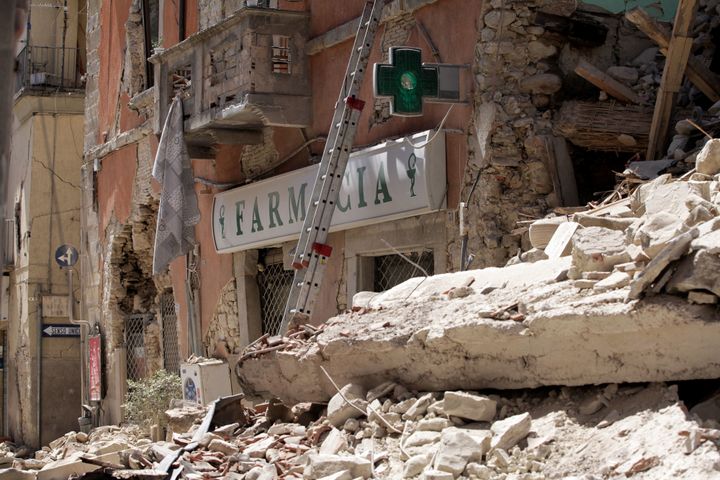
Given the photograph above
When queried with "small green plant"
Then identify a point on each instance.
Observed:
(147, 399)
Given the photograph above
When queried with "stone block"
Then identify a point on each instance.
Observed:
(422, 437)
(700, 271)
(678, 247)
(419, 407)
(62, 469)
(614, 281)
(508, 432)
(708, 160)
(14, 474)
(459, 447)
(626, 75)
(472, 407)
(541, 83)
(657, 231)
(334, 443)
(223, 447)
(597, 249)
(436, 475)
(415, 465)
(324, 465)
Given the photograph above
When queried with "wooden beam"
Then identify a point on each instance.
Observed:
(605, 82)
(700, 75)
(562, 171)
(675, 64)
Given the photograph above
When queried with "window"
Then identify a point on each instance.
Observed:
(392, 270)
(281, 54)
(135, 345)
(151, 25)
(171, 349)
(274, 283)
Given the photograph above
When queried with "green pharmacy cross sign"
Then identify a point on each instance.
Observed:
(405, 81)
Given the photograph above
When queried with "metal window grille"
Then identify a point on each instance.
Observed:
(135, 345)
(171, 348)
(274, 284)
(391, 270)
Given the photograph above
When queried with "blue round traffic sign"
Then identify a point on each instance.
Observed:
(66, 256)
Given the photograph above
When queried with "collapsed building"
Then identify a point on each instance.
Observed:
(560, 104)
(554, 98)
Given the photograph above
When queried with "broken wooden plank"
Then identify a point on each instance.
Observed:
(675, 63)
(606, 83)
(561, 171)
(698, 73)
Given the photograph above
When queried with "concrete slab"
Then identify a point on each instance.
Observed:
(432, 343)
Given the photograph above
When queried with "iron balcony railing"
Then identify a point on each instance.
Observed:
(47, 68)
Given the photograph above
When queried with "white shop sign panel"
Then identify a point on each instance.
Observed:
(389, 181)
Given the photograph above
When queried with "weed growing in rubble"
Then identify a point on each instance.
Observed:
(147, 399)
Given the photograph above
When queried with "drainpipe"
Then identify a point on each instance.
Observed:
(181, 20)
(86, 411)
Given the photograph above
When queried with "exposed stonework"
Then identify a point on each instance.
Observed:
(134, 74)
(259, 159)
(212, 11)
(507, 150)
(92, 92)
(223, 334)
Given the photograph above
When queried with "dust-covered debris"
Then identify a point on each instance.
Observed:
(610, 431)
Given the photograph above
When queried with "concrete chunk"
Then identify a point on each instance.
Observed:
(699, 271)
(708, 160)
(334, 443)
(419, 407)
(223, 447)
(339, 410)
(436, 475)
(458, 447)
(507, 433)
(472, 407)
(324, 465)
(597, 249)
(678, 247)
(415, 465)
(614, 281)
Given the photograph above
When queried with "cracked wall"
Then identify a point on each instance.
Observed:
(45, 183)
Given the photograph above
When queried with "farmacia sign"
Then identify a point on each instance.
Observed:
(388, 181)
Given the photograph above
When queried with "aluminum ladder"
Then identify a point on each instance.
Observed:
(312, 253)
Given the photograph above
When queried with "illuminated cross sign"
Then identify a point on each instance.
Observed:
(405, 81)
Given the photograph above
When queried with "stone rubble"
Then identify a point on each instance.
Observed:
(586, 432)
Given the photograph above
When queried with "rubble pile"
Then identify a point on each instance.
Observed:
(390, 432)
(663, 238)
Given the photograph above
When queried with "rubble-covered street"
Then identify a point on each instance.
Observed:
(360, 240)
(637, 430)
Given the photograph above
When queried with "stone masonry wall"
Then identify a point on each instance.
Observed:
(515, 80)
(93, 71)
(223, 335)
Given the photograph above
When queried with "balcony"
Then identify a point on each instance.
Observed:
(244, 73)
(47, 69)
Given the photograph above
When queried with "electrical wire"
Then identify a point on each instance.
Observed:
(437, 131)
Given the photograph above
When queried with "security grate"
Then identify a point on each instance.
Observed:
(135, 345)
(391, 270)
(274, 284)
(171, 349)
